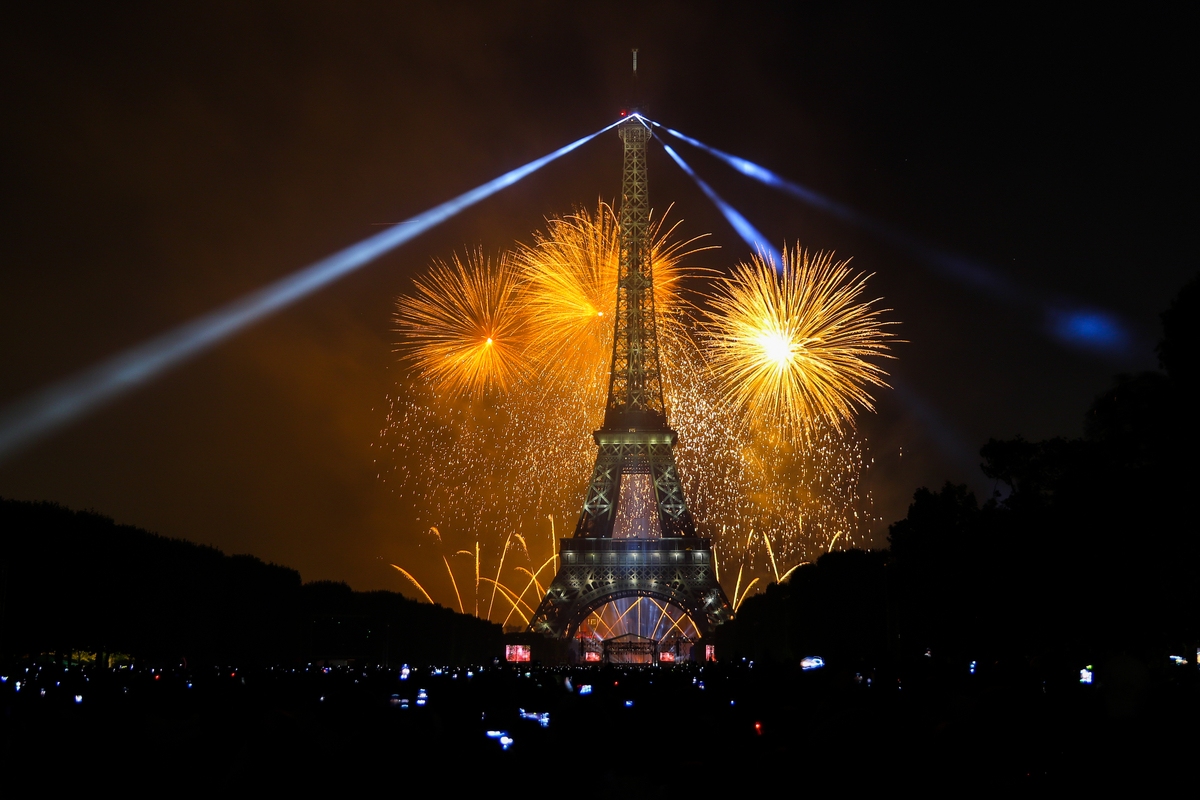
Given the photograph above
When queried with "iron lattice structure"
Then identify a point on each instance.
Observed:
(673, 564)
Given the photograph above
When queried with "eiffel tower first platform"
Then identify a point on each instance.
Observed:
(649, 546)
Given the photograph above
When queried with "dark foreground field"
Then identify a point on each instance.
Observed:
(679, 729)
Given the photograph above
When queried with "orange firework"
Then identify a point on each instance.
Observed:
(462, 327)
(569, 291)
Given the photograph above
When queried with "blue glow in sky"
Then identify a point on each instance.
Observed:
(1090, 329)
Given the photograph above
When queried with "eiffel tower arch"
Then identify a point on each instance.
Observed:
(635, 536)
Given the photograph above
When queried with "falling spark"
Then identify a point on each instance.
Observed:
(737, 586)
(414, 583)
(749, 585)
(454, 583)
(511, 597)
(831, 541)
(533, 580)
(499, 569)
(771, 553)
(788, 574)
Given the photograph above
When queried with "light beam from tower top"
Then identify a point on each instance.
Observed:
(39, 414)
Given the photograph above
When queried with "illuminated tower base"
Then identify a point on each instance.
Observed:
(594, 572)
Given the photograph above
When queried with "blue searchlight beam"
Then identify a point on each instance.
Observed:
(1070, 323)
(751, 235)
(25, 420)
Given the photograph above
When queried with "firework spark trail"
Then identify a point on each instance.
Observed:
(738, 604)
(738, 585)
(792, 348)
(795, 567)
(533, 578)
(454, 583)
(533, 581)
(26, 420)
(414, 582)
(499, 569)
(675, 624)
(771, 553)
(511, 597)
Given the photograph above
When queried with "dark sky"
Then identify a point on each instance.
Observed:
(162, 159)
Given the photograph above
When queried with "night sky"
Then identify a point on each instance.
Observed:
(160, 160)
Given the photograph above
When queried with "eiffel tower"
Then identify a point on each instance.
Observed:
(646, 546)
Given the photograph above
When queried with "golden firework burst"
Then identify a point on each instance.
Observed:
(461, 328)
(569, 290)
(791, 348)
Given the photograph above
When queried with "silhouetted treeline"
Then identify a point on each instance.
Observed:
(1089, 548)
(386, 627)
(76, 581)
